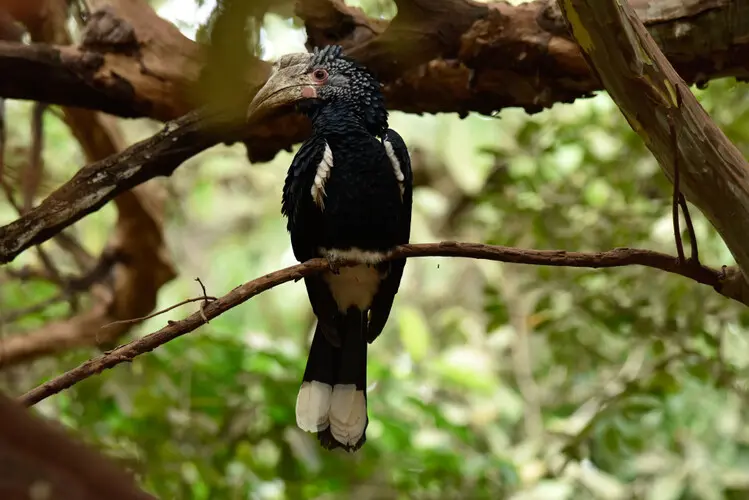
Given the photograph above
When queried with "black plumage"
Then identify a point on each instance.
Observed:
(348, 194)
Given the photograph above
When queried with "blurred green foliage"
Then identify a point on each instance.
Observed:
(490, 381)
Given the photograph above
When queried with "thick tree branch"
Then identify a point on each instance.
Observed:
(656, 101)
(447, 56)
(96, 184)
(529, 61)
(614, 258)
(42, 460)
(135, 261)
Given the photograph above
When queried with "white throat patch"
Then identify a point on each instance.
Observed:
(321, 177)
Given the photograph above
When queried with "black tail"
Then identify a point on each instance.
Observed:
(333, 398)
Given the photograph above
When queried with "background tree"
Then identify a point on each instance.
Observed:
(492, 380)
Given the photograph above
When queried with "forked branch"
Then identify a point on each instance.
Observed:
(712, 173)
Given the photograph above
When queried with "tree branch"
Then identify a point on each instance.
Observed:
(96, 184)
(517, 56)
(41, 459)
(614, 258)
(135, 262)
(447, 56)
(656, 101)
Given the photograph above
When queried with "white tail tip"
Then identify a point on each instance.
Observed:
(348, 414)
(312, 406)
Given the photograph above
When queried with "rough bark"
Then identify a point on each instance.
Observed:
(136, 246)
(95, 184)
(521, 56)
(449, 56)
(41, 460)
(141, 261)
(656, 101)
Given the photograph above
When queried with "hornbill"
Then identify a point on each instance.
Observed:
(347, 197)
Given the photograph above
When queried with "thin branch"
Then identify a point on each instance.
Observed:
(678, 197)
(613, 258)
(690, 229)
(677, 193)
(202, 287)
(203, 298)
(205, 302)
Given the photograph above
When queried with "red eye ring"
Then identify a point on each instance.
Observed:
(320, 75)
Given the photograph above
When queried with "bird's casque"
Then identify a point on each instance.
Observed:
(347, 196)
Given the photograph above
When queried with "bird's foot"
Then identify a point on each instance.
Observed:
(335, 263)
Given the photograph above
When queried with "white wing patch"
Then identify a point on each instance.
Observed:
(321, 177)
(396, 166)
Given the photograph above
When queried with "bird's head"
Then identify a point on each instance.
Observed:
(322, 79)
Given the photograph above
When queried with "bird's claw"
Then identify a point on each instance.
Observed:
(334, 264)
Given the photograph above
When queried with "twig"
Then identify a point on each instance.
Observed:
(158, 313)
(613, 258)
(677, 193)
(695, 258)
(202, 286)
(678, 197)
(205, 302)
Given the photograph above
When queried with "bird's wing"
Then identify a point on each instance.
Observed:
(297, 197)
(383, 300)
(297, 200)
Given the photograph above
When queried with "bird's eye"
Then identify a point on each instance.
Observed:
(320, 75)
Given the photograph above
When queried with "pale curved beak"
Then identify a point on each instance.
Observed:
(283, 88)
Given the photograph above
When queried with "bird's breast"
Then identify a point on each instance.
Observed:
(354, 286)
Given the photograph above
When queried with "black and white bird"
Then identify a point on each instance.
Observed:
(347, 196)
